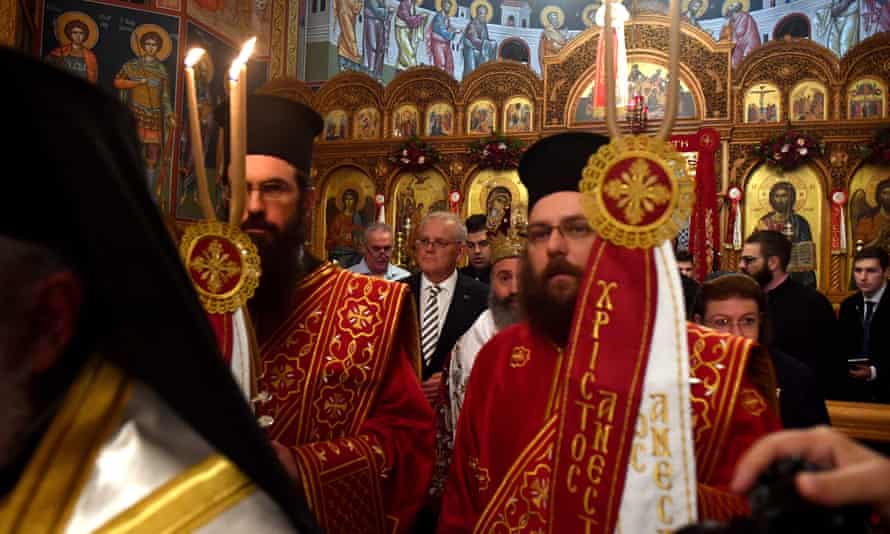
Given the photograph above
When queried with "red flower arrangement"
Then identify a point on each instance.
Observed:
(878, 151)
(497, 152)
(789, 150)
(415, 155)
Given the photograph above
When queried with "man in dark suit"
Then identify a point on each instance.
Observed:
(734, 303)
(479, 249)
(803, 322)
(865, 328)
(447, 302)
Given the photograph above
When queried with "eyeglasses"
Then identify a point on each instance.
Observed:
(725, 324)
(270, 190)
(379, 250)
(437, 243)
(574, 228)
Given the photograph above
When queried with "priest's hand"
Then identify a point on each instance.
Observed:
(431, 387)
(853, 474)
(287, 460)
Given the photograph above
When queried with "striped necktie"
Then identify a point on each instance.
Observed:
(429, 325)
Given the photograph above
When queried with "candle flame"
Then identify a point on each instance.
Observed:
(193, 56)
(243, 56)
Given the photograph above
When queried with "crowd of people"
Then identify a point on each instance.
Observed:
(444, 400)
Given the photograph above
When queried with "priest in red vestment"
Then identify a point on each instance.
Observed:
(336, 370)
(518, 465)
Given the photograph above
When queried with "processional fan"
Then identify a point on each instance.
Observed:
(220, 258)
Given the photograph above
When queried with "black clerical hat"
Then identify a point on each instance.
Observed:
(276, 126)
(82, 193)
(555, 163)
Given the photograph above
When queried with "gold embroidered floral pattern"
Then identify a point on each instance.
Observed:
(215, 267)
(283, 377)
(752, 401)
(359, 315)
(482, 477)
(535, 490)
(520, 356)
(638, 192)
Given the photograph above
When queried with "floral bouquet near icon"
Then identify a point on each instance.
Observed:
(415, 155)
(789, 150)
(497, 152)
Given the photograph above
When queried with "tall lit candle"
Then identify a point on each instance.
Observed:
(191, 59)
(238, 130)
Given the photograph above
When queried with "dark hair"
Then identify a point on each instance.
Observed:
(476, 223)
(772, 243)
(735, 285)
(787, 186)
(150, 35)
(684, 255)
(76, 24)
(349, 193)
(877, 253)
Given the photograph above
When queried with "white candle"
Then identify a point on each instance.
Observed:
(191, 59)
(238, 131)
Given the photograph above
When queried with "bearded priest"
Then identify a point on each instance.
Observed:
(578, 419)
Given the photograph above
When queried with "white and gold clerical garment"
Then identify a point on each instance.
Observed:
(117, 459)
(462, 357)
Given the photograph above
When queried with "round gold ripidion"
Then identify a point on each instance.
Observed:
(223, 264)
(637, 191)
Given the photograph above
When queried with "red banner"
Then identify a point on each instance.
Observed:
(704, 228)
(600, 394)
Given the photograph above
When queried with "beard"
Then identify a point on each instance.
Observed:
(762, 276)
(283, 264)
(549, 312)
(504, 311)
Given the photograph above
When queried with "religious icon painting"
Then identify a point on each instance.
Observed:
(481, 118)
(76, 35)
(414, 195)
(518, 116)
(763, 103)
(866, 99)
(500, 195)
(646, 86)
(366, 124)
(790, 202)
(588, 14)
(210, 91)
(335, 125)
(869, 207)
(348, 208)
(132, 54)
(439, 120)
(406, 121)
(809, 101)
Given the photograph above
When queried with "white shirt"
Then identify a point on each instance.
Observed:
(446, 293)
(393, 272)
